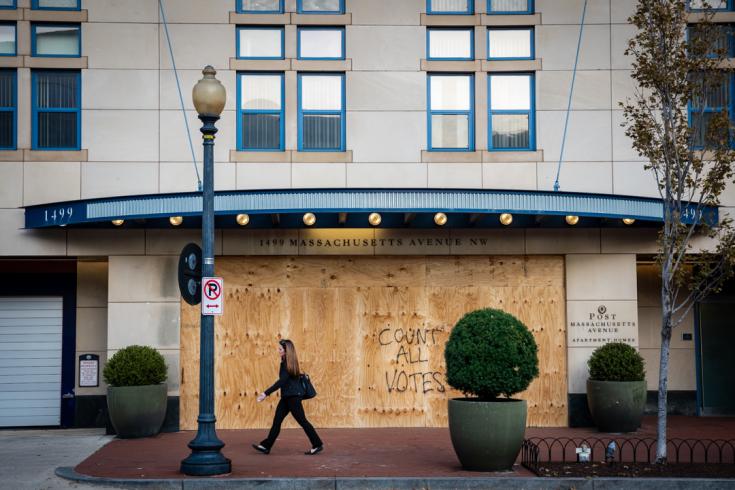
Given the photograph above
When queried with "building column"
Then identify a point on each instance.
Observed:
(602, 307)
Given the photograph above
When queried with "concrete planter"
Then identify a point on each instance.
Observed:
(616, 406)
(137, 411)
(487, 435)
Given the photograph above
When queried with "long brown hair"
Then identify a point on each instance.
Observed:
(292, 362)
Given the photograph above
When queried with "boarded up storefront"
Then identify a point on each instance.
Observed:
(370, 331)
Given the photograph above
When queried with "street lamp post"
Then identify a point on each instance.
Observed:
(206, 457)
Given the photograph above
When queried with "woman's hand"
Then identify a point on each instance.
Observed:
(261, 397)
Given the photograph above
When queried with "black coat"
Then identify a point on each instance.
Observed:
(288, 385)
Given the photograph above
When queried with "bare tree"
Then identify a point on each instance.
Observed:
(681, 73)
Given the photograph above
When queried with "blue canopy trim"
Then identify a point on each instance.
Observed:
(294, 202)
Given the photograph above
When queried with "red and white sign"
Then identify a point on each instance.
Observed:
(212, 295)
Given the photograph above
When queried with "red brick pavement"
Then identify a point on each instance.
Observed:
(389, 452)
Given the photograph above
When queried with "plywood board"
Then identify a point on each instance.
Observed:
(370, 331)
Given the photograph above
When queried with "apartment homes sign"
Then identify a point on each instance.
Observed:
(591, 324)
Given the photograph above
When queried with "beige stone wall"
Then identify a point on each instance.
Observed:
(682, 367)
(92, 279)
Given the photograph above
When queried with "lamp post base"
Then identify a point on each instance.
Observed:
(206, 463)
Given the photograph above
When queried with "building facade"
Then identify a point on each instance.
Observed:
(382, 167)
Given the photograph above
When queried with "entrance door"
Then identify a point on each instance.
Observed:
(716, 339)
(30, 361)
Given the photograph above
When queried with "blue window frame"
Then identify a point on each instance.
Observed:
(320, 43)
(718, 97)
(8, 4)
(718, 5)
(509, 6)
(260, 111)
(451, 112)
(450, 7)
(8, 39)
(56, 40)
(512, 112)
(260, 43)
(320, 6)
(56, 109)
(56, 4)
(8, 109)
(321, 114)
(450, 43)
(511, 43)
(259, 6)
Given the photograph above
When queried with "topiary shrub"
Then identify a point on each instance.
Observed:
(135, 365)
(616, 361)
(490, 353)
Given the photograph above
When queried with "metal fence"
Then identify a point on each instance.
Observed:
(536, 450)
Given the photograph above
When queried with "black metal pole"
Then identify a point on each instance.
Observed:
(206, 457)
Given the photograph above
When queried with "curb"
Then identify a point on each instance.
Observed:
(403, 483)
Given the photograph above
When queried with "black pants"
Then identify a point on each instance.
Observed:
(291, 404)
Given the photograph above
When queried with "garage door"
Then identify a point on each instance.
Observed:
(30, 361)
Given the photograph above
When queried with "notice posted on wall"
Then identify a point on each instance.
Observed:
(89, 370)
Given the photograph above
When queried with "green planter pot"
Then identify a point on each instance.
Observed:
(616, 406)
(487, 435)
(137, 411)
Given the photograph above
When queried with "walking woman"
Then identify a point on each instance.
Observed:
(292, 394)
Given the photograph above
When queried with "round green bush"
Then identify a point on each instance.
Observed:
(616, 361)
(490, 353)
(135, 365)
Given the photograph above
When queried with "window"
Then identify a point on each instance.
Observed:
(260, 123)
(451, 113)
(260, 43)
(260, 6)
(717, 97)
(450, 6)
(512, 118)
(450, 44)
(8, 109)
(56, 4)
(510, 7)
(7, 4)
(62, 40)
(320, 6)
(7, 40)
(321, 112)
(721, 40)
(321, 43)
(510, 44)
(713, 4)
(56, 96)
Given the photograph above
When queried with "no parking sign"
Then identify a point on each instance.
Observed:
(212, 295)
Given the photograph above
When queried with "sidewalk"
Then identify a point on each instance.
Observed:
(390, 454)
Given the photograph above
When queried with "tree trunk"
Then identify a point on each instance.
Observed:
(663, 379)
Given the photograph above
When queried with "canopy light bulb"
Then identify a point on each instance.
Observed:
(118, 222)
(506, 219)
(176, 220)
(572, 220)
(243, 219)
(309, 219)
(628, 221)
(440, 219)
(375, 219)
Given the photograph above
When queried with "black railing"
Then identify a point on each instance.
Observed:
(536, 450)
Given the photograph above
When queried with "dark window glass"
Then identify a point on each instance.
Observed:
(57, 130)
(7, 89)
(7, 109)
(261, 131)
(322, 132)
(56, 90)
(7, 121)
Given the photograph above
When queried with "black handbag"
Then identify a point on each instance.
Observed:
(308, 388)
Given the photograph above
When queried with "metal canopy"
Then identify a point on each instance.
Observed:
(348, 207)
